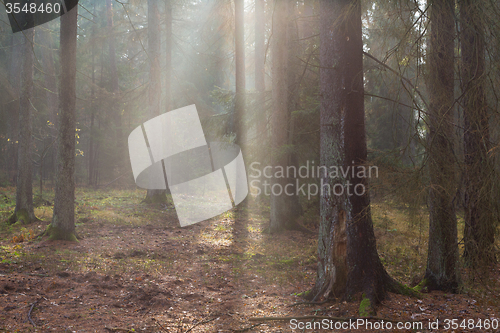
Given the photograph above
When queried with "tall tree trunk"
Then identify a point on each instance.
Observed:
(307, 26)
(115, 89)
(168, 62)
(281, 214)
(51, 97)
(92, 170)
(442, 259)
(49, 76)
(348, 260)
(168, 56)
(479, 221)
(15, 65)
(111, 43)
(63, 221)
(154, 196)
(260, 58)
(260, 84)
(285, 207)
(240, 93)
(239, 41)
(293, 64)
(24, 189)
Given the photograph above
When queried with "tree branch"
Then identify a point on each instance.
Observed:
(400, 76)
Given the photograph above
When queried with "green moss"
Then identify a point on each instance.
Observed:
(56, 233)
(365, 307)
(418, 288)
(287, 261)
(21, 216)
(304, 293)
(408, 291)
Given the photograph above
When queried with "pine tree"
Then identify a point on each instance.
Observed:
(24, 211)
(479, 233)
(442, 257)
(63, 220)
(348, 260)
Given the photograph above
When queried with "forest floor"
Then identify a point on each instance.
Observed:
(136, 270)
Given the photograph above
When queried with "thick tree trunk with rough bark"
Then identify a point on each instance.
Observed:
(63, 221)
(349, 264)
(442, 260)
(479, 231)
(24, 187)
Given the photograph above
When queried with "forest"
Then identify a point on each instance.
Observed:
(249, 166)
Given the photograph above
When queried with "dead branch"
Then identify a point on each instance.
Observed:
(114, 180)
(29, 313)
(118, 329)
(202, 323)
(158, 323)
(248, 328)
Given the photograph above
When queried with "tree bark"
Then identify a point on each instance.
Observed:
(239, 42)
(154, 196)
(51, 97)
(442, 259)
(260, 58)
(24, 211)
(479, 230)
(168, 56)
(281, 214)
(13, 107)
(114, 87)
(293, 83)
(92, 166)
(63, 221)
(50, 76)
(349, 264)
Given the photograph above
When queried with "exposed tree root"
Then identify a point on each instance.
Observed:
(309, 303)
(21, 216)
(29, 313)
(248, 328)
